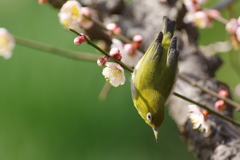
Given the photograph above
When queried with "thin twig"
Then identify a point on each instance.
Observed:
(220, 19)
(58, 51)
(92, 57)
(206, 108)
(186, 78)
(100, 24)
(102, 51)
(227, 100)
(105, 90)
(212, 93)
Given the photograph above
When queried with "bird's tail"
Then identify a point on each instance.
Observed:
(168, 26)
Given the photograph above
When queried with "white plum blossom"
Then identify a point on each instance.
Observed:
(197, 118)
(70, 14)
(7, 43)
(130, 60)
(114, 73)
(200, 19)
(232, 26)
(190, 6)
(193, 5)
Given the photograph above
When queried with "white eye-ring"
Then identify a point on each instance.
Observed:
(149, 117)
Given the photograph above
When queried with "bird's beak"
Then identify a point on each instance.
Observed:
(155, 131)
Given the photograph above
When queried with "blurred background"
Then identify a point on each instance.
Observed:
(49, 106)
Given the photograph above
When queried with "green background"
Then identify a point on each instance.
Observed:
(49, 107)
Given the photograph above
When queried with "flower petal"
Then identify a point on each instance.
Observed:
(114, 73)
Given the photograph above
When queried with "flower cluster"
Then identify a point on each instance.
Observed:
(7, 43)
(127, 53)
(114, 71)
(201, 19)
(233, 28)
(130, 55)
(72, 13)
(199, 118)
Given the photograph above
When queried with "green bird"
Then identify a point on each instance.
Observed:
(154, 76)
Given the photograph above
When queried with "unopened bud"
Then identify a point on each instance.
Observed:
(86, 11)
(114, 52)
(137, 39)
(102, 61)
(80, 39)
(220, 105)
(213, 13)
(114, 28)
(129, 49)
(42, 1)
(223, 93)
(86, 22)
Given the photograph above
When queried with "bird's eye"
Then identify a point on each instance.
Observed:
(149, 117)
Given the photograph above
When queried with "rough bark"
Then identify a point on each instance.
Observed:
(145, 18)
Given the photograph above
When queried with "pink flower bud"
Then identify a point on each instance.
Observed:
(102, 61)
(114, 28)
(129, 49)
(80, 39)
(42, 1)
(232, 26)
(214, 13)
(85, 22)
(86, 11)
(223, 93)
(114, 52)
(220, 105)
(137, 39)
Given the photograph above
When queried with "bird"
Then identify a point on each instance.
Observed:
(154, 76)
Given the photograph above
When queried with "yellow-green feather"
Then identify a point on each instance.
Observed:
(154, 76)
